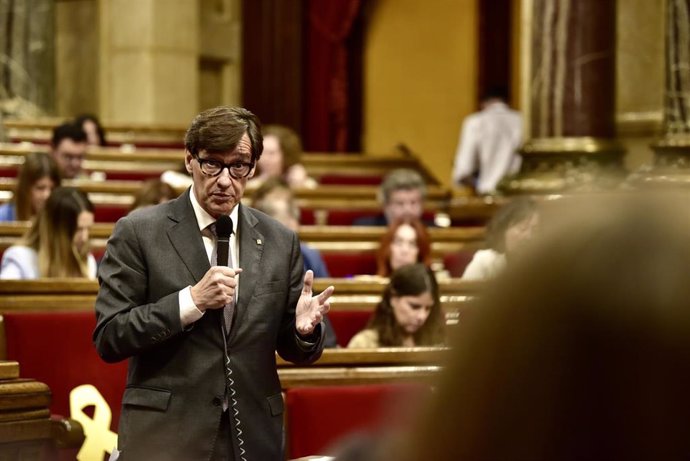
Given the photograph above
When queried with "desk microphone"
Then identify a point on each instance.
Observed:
(223, 231)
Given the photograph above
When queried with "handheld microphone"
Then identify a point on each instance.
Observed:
(223, 231)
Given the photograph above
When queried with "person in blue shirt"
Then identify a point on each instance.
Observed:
(36, 179)
(275, 198)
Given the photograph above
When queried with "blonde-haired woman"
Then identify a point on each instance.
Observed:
(57, 244)
(36, 179)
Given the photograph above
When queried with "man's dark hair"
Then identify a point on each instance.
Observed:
(220, 129)
(495, 92)
(68, 130)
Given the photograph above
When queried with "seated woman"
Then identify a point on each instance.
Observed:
(507, 231)
(405, 242)
(408, 315)
(57, 244)
(37, 177)
(281, 158)
(153, 192)
(95, 134)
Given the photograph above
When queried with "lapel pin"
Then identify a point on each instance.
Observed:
(258, 241)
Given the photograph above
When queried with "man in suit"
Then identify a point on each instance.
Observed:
(201, 384)
(401, 194)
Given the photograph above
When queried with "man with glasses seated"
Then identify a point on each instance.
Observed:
(68, 148)
(201, 337)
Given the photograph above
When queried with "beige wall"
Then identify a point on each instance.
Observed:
(639, 77)
(76, 57)
(149, 60)
(220, 51)
(420, 78)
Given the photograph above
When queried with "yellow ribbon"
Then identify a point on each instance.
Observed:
(99, 438)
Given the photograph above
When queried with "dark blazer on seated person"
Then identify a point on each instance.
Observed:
(154, 253)
(380, 220)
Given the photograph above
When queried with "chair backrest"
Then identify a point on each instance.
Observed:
(456, 263)
(348, 264)
(321, 417)
(346, 324)
(56, 348)
(109, 213)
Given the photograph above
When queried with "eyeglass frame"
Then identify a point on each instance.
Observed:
(223, 166)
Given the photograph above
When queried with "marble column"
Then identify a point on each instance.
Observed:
(149, 61)
(570, 92)
(27, 57)
(672, 150)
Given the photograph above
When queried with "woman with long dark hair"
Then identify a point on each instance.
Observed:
(57, 244)
(408, 315)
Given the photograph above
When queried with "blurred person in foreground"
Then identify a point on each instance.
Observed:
(584, 352)
(57, 243)
(36, 179)
(510, 228)
(409, 313)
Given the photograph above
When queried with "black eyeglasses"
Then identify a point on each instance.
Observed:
(237, 170)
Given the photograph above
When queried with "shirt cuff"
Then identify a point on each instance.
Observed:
(188, 310)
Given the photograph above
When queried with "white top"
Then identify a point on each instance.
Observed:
(488, 143)
(21, 263)
(485, 265)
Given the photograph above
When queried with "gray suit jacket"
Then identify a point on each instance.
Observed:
(176, 381)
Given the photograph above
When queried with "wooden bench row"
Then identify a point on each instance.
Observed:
(356, 385)
(27, 430)
(150, 134)
(114, 162)
(358, 294)
(351, 306)
(324, 205)
(347, 251)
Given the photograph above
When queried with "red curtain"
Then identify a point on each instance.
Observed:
(327, 90)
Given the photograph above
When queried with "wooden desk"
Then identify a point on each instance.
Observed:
(365, 366)
(350, 294)
(324, 238)
(26, 430)
(40, 130)
(317, 164)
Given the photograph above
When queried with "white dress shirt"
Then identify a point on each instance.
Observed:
(488, 143)
(189, 313)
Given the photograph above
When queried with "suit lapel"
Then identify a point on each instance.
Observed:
(251, 251)
(185, 237)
